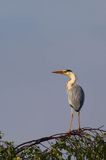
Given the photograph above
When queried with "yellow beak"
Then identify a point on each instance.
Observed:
(59, 72)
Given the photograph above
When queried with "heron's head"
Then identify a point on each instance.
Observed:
(67, 73)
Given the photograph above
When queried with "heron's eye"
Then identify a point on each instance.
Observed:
(67, 71)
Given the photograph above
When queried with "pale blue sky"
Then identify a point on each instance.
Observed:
(37, 37)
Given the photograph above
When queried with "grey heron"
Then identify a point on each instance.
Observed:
(75, 94)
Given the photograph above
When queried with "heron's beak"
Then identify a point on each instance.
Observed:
(59, 72)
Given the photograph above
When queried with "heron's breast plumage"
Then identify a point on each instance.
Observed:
(75, 97)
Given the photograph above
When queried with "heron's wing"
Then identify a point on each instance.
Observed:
(76, 97)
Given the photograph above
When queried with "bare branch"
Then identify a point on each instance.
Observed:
(87, 130)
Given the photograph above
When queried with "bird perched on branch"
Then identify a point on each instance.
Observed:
(75, 94)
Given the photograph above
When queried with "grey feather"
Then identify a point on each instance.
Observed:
(76, 97)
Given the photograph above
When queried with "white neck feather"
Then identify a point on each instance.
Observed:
(72, 80)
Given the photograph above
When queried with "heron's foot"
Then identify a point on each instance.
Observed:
(69, 131)
(79, 130)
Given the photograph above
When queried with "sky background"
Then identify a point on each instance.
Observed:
(37, 37)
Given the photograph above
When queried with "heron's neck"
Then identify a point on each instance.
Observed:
(71, 81)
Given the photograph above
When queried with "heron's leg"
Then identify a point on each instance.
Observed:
(71, 121)
(78, 121)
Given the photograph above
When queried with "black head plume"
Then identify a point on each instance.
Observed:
(68, 70)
